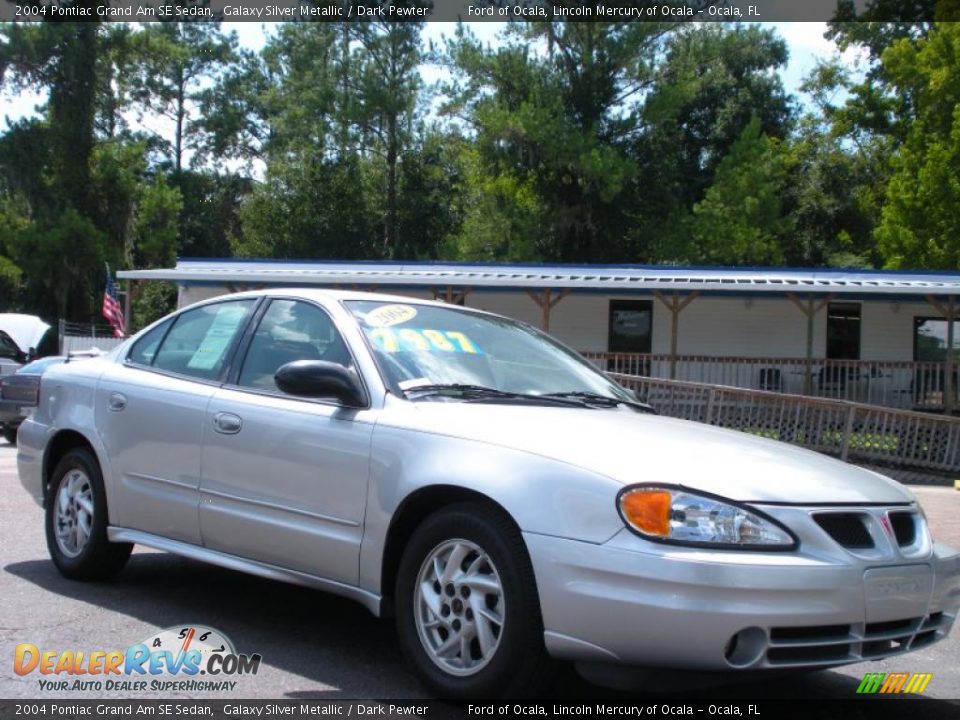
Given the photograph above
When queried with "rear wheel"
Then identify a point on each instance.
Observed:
(468, 615)
(76, 521)
(10, 435)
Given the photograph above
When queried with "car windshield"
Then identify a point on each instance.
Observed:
(426, 345)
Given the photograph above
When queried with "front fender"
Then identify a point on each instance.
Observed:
(542, 495)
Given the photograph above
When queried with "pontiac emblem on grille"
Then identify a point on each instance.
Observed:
(885, 521)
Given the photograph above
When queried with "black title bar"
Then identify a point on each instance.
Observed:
(464, 10)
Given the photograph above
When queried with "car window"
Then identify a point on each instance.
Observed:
(290, 330)
(145, 349)
(8, 348)
(200, 340)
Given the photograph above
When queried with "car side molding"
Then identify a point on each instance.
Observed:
(369, 600)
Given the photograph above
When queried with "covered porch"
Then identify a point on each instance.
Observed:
(906, 385)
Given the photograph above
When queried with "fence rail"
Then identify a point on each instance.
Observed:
(851, 431)
(84, 336)
(895, 384)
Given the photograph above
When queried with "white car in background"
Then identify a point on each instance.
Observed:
(21, 338)
(505, 501)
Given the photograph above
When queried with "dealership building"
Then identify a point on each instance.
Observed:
(873, 336)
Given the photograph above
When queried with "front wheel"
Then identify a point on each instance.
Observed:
(76, 521)
(468, 615)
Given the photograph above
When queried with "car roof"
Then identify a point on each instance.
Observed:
(328, 294)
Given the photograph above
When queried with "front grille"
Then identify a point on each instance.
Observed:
(817, 633)
(904, 528)
(836, 644)
(808, 654)
(891, 626)
(848, 529)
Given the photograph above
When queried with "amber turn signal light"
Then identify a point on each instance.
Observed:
(648, 511)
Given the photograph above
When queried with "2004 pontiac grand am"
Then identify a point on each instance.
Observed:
(506, 501)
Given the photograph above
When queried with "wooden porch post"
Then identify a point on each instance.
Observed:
(950, 314)
(810, 311)
(128, 307)
(948, 389)
(546, 304)
(675, 306)
(451, 296)
(134, 288)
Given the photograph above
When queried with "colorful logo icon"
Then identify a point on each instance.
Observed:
(894, 683)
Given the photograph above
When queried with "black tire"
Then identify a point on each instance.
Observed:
(97, 558)
(519, 665)
(10, 435)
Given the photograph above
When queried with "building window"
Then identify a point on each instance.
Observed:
(630, 326)
(930, 339)
(843, 331)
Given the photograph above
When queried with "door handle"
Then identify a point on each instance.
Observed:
(117, 401)
(227, 423)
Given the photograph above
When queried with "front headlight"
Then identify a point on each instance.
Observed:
(673, 514)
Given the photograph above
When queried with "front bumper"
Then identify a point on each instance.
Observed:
(633, 602)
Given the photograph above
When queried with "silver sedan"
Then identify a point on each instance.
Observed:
(506, 502)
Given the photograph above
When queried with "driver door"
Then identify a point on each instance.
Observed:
(284, 478)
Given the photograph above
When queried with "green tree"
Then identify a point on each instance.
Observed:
(173, 61)
(557, 123)
(387, 91)
(920, 226)
(741, 219)
(713, 80)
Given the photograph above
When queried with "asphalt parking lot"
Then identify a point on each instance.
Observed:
(314, 645)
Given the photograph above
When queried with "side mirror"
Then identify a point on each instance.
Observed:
(319, 378)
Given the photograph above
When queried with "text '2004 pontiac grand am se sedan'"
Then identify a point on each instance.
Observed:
(508, 503)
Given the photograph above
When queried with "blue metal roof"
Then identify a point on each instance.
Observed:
(520, 276)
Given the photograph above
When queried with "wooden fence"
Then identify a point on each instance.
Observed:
(85, 336)
(851, 431)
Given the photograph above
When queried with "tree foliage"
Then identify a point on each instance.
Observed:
(564, 142)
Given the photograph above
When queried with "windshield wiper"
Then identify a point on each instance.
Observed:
(591, 398)
(481, 392)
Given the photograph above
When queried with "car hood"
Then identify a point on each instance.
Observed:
(631, 447)
(25, 330)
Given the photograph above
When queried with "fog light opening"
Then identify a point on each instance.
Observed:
(746, 647)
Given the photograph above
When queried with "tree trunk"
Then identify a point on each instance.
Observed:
(181, 116)
(72, 109)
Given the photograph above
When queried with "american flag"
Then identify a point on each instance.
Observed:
(111, 307)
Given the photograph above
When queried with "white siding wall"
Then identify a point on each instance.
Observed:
(757, 327)
(887, 329)
(752, 327)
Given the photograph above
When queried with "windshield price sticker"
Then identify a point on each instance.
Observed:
(423, 340)
(221, 331)
(389, 315)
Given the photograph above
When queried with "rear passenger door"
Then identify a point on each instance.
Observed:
(150, 414)
(285, 478)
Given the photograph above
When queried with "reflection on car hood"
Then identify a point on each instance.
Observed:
(25, 330)
(632, 448)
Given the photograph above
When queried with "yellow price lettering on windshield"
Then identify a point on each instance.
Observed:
(411, 339)
(385, 338)
(437, 339)
(414, 338)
